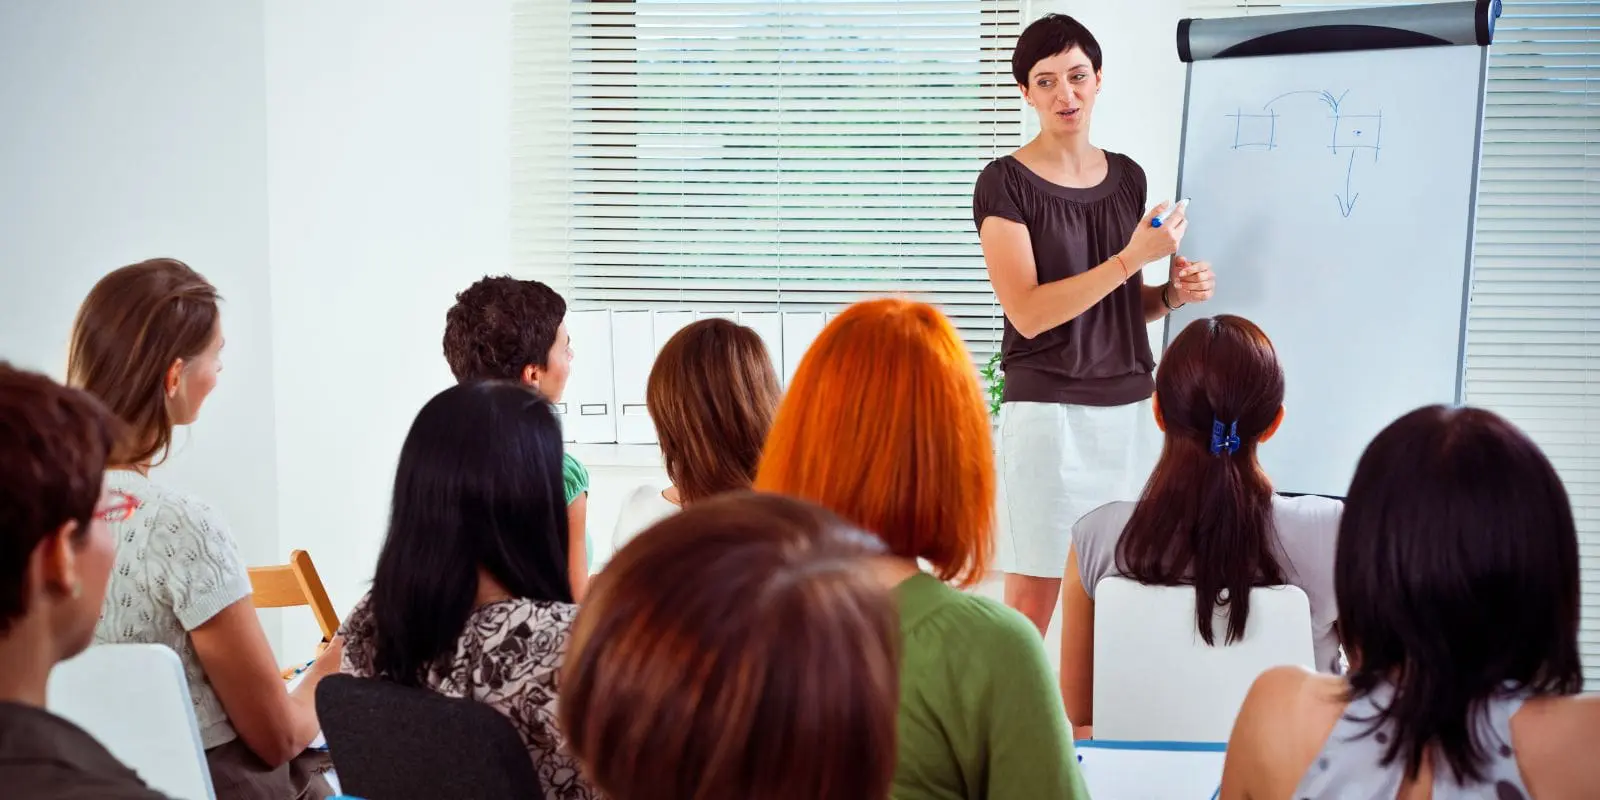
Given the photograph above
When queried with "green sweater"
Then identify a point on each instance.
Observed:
(980, 711)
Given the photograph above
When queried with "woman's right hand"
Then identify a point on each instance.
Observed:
(1149, 244)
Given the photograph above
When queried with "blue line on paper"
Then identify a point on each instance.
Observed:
(1347, 203)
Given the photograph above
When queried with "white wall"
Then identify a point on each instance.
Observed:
(359, 149)
(129, 131)
(388, 174)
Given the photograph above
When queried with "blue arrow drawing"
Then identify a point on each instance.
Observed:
(1347, 202)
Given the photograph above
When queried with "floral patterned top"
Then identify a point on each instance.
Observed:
(509, 658)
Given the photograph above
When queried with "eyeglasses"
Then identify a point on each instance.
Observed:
(120, 509)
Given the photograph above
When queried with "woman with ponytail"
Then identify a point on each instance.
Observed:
(1208, 516)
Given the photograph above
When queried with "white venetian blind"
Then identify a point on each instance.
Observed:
(1533, 321)
(761, 155)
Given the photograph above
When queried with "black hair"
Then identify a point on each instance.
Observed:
(478, 485)
(1457, 578)
(1050, 35)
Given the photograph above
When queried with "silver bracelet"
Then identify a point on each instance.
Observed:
(1165, 301)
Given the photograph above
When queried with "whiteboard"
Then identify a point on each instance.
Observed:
(1333, 194)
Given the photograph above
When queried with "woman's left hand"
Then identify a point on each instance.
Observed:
(1192, 281)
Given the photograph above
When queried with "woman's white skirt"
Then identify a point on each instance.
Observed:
(1058, 462)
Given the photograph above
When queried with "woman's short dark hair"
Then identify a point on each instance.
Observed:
(54, 443)
(741, 648)
(478, 486)
(499, 326)
(712, 394)
(134, 324)
(1457, 578)
(1049, 35)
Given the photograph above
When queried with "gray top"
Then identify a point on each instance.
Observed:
(1349, 764)
(1307, 528)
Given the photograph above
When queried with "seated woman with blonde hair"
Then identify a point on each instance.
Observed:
(148, 343)
(885, 426)
(712, 395)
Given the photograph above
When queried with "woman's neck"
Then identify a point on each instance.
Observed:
(893, 570)
(489, 590)
(1071, 152)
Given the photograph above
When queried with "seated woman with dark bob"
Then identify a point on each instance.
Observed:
(1457, 578)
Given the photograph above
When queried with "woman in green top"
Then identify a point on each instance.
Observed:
(504, 329)
(883, 424)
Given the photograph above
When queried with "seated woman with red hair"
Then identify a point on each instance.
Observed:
(884, 425)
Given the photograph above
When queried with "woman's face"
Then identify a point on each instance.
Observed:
(1062, 89)
(191, 382)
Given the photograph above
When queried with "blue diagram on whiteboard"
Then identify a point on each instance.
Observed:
(1349, 133)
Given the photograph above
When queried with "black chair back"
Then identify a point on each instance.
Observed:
(392, 742)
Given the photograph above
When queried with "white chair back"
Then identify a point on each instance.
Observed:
(135, 700)
(1155, 679)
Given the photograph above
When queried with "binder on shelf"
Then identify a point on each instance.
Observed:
(633, 351)
(731, 316)
(800, 329)
(588, 407)
(769, 326)
(668, 323)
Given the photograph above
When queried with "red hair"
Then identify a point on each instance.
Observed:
(884, 424)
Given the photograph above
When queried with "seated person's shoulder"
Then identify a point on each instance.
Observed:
(1109, 518)
(574, 477)
(1311, 508)
(978, 627)
(1291, 710)
(1553, 737)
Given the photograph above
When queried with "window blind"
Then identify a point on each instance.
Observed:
(1533, 319)
(764, 155)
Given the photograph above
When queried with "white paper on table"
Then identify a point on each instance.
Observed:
(1151, 770)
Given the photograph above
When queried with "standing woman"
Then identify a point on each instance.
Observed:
(1065, 235)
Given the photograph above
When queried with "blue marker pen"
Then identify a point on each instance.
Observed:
(1162, 217)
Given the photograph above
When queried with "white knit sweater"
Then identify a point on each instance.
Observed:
(177, 566)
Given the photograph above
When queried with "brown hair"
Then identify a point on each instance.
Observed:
(741, 648)
(499, 326)
(884, 424)
(1205, 517)
(134, 324)
(713, 394)
(53, 447)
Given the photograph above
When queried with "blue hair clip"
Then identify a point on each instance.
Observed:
(1221, 442)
